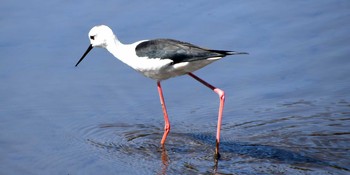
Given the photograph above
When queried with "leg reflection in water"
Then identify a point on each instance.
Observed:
(165, 160)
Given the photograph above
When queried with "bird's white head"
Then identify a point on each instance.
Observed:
(100, 36)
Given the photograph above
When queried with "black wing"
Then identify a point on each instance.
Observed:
(176, 50)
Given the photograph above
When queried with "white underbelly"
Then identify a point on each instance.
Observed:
(168, 70)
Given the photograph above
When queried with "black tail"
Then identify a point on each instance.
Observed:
(225, 52)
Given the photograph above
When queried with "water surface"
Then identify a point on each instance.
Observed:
(287, 102)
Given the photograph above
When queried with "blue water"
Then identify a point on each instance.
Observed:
(287, 102)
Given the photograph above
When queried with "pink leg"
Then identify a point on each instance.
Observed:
(221, 94)
(166, 119)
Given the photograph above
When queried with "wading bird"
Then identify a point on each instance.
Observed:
(160, 59)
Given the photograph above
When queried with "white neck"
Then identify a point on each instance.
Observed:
(126, 53)
(119, 50)
(112, 46)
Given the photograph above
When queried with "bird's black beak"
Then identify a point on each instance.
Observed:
(86, 52)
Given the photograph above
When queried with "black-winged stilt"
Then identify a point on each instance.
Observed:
(161, 59)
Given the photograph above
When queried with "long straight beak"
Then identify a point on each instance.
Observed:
(86, 52)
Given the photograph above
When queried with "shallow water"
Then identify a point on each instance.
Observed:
(287, 102)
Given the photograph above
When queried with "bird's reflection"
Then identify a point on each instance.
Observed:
(215, 167)
(166, 161)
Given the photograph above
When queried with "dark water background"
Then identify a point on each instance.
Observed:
(287, 103)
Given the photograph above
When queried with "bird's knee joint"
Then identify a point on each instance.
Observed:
(221, 93)
(167, 128)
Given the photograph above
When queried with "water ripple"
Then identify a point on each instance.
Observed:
(289, 143)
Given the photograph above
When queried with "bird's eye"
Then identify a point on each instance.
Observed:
(92, 37)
